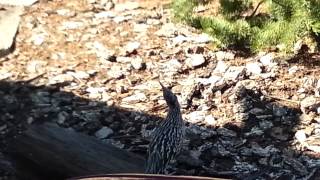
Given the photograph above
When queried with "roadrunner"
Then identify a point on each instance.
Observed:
(167, 138)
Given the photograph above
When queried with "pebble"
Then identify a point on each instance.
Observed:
(105, 14)
(138, 63)
(309, 103)
(61, 78)
(104, 132)
(132, 46)
(253, 68)
(138, 97)
(221, 67)
(293, 70)
(129, 5)
(222, 55)
(180, 39)
(301, 136)
(38, 39)
(210, 120)
(195, 60)
(140, 28)
(66, 12)
(116, 72)
(70, 25)
(233, 73)
(202, 38)
(267, 59)
(195, 117)
(167, 30)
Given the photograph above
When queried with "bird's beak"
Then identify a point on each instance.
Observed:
(162, 86)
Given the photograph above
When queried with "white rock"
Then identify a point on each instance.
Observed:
(172, 66)
(36, 66)
(202, 38)
(58, 56)
(79, 74)
(126, 6)
(120, 19)
(38, 39)
(61, 78)
(4, 74)
(140, 27)
(196, 117)
(116, 72)
(123, 59)
(309, 103)
(9, 23)
(267, 59)
(69, 25)
(65, 12)
(131, 46)
(210, 120)
(167, 30)
(211, 80)
(222, 55)
(137, 63)
(180, 39)
(153, 21)
(18, 2)
(101, 51)
(221, 67)
(234, 72)
(138, 97)
(105, 14)
(293, 69)
(195, 60)
(301, 136)
(253, 68)
(104, 132)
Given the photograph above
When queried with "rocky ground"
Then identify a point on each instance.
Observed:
(94, 66)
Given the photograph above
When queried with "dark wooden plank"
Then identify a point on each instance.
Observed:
(66, 153)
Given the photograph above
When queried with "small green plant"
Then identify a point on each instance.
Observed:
(282, 23)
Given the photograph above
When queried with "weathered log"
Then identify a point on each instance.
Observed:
(65, 153)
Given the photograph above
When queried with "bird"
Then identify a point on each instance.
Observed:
(167, 139)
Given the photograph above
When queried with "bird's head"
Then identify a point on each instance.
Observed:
(170, 98)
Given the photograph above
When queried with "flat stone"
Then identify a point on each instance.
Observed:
(138, 63)
(222, 55)
(104, 132)
(9, 23)
(167, 30)
(301, 136)
(210, 120)
(196, 117)
(234, 72)
(140, 28)
(221, 67)
(253, 68)
(138, 97)
(267, 59)
(132, 46)
(202, 38)
(195, 60)
(18, 2)
(126, 6)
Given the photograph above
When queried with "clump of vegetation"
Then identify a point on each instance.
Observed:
(256, 24)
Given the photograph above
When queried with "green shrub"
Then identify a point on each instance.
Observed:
(284, 22)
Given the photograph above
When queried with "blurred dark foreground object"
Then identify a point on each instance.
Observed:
(142, 177)
(49, 152)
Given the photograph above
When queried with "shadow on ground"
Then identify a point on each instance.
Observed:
(22, 104)
(262, 143)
